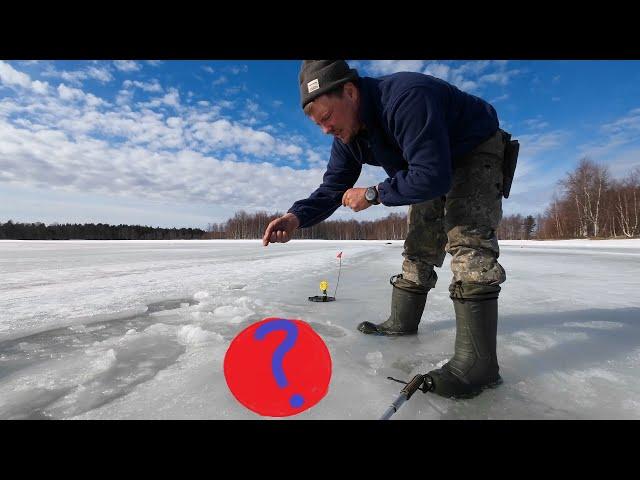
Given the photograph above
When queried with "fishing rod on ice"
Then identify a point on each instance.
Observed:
(424, 383)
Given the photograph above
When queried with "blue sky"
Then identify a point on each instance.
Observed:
(186, 143)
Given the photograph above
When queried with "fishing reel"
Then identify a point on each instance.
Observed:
(424, 383)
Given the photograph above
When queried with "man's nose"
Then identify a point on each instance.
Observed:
(327, 129)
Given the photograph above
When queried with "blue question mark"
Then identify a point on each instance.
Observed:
(278, 356)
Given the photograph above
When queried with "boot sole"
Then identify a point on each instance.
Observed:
(375, 331)
(388, 334)
(478, 390)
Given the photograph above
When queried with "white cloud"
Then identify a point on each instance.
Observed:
(471, 75)
(439, 70)
(501, 78)
(175, 122)
(124, 97)
(200, 128)
(75, 94)
(223, 134)
(67, 93)
(624, 161)
(468, 76)
(252, 114)
(239, 69)
(236, 89)
(93, 101)
(536, 169)
(11, 77)
(219, 81)
(172, 98)
(101, 74)
(76, 77)
(476, 67)
(385, 67)
(252, 106)
(127, 65)
(536, 143)
(615, 135)
(500, 98)
(49, 157)
(153, 86)
(466, 85)
(536, 123)
(73, 77)
(627, 127)
(315, 159)
(40, 87)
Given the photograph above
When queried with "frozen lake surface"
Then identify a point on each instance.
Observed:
(139, 329)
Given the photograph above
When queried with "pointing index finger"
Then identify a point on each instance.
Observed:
(267, 234)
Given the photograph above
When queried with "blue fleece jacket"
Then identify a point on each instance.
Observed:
(416, 126)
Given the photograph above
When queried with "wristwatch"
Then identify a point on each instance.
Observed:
(371, 195)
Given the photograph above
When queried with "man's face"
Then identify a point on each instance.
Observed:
(338, 116)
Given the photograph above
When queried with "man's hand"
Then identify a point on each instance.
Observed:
(281, 229)
(354, 199)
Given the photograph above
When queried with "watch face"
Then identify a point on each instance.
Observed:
(370, 194)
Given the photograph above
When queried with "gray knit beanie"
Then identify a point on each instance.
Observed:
(317, 77)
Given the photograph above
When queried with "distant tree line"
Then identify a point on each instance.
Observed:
(517, 227)
(91, 231)
(245, 225)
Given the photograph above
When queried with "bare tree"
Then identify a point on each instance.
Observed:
(585, 187)
(628, 204)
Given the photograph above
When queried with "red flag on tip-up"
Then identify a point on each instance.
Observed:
(339, 255)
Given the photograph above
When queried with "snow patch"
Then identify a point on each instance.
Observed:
(192, 335)
(375, 361)
(105, 361)
(241, 309)
(160, 329)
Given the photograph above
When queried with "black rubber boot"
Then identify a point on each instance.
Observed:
(474, 365)
(407, 304)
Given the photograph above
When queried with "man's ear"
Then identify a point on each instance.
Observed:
(351, 90)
